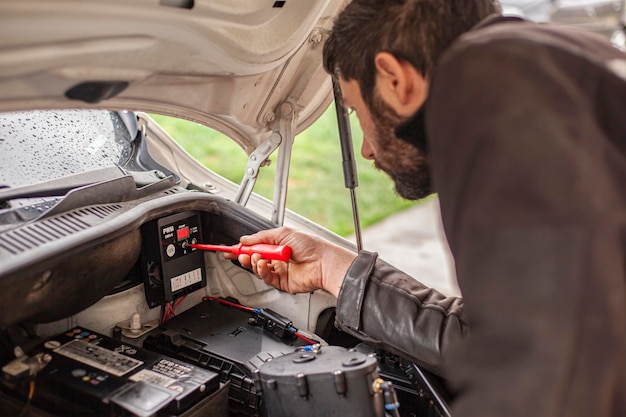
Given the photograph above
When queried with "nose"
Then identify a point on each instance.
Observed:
(366, 150)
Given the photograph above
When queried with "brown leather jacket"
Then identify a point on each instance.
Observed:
(526, 134)
(387, 308)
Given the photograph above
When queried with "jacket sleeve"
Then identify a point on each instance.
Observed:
(387, 308)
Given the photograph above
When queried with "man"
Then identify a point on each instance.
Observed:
(523, 130)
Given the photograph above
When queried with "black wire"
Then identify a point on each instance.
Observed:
(390, 398)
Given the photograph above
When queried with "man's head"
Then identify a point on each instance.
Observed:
(414, 31)
(383, 52)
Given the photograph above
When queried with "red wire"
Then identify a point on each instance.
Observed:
(306, 339)
(252, 310)
(228, 303)
(179, 301)
(166, 313)
(170, 307)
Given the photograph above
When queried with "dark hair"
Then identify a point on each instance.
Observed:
(417, 31)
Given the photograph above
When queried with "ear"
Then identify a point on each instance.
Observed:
(400, 84)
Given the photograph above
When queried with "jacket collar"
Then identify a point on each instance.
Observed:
(413, 130)
(494, 19)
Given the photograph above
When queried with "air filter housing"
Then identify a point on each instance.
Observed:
(332, 381)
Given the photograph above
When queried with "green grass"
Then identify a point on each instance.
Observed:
(316, 185)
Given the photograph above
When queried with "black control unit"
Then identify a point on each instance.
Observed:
(171, 268)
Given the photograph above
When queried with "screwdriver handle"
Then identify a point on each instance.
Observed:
(267, 251)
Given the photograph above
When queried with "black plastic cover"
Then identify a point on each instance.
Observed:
(220, 338)
(331, 382)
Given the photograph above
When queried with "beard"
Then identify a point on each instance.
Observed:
(406, 164)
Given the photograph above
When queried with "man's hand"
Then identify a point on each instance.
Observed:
(315, 263)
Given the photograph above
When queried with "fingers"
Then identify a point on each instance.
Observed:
(261, 237)
(267, 271)
(260, 266)
(244, 260)
(276, 273)
(229, 256)
(271, 236)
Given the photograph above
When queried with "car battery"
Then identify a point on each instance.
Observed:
(332, 381)
(227, 340)
(88, 373)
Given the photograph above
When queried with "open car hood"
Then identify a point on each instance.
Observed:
(228, 64)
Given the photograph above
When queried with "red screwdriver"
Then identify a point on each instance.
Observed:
(267, 251)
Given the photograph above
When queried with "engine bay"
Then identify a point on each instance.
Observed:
(139, 293)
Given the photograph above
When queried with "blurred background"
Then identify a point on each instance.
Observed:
(316, 186)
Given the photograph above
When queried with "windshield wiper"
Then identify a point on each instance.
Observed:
(61, 186)
(100, 186)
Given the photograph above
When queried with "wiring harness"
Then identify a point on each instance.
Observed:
(268, 319)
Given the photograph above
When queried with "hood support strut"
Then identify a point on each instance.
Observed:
(286, 126)
(256, 160)
(281, 138)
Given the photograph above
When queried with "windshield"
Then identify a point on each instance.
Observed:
(41, 145)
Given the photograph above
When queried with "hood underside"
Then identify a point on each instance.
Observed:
(228, 64)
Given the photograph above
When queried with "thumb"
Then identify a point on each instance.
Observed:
(264, 236)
